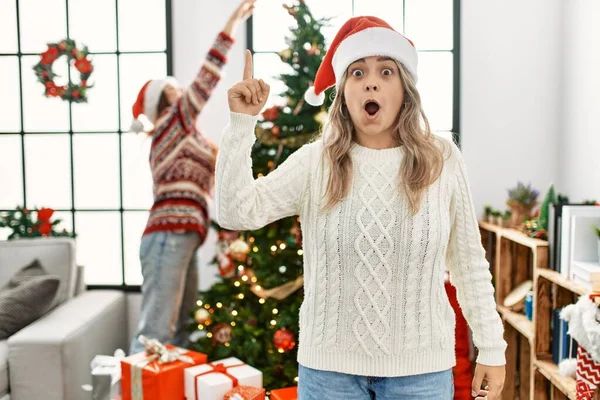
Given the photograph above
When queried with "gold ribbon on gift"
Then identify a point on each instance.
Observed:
(278, 292)
(155, 350)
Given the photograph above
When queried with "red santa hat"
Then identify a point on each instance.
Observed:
(358, 38)
(147, 100)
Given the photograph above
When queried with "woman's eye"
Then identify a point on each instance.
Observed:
(357, 73)
(387, 71)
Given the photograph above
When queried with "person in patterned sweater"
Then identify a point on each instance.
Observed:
(182, 162)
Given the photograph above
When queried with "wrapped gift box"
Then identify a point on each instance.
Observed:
(245, 393)
(211, 381)
(106, 376)
(290, 393)
(157, 374)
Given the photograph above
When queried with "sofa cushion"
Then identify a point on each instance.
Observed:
(57, 255)
(27, 272)
(3, 368)
(26, 298)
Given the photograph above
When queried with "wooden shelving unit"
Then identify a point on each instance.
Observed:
(515, 258)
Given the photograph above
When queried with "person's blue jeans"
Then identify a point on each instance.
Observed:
(170, 287)
(326, 385)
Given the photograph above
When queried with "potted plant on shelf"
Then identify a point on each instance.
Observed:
(521, 200)
(506, 218)
(497, 217)
(487, 212)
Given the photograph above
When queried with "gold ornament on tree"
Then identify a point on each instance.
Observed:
(201, 316)
(285, 54)
(239, 250)
(321, 117)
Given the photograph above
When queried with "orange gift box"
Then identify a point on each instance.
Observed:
(245, 393)
(148, 376)
(290, 393)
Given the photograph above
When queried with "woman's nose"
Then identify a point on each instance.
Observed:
(372, 87)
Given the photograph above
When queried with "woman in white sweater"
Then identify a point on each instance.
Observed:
(386, 209)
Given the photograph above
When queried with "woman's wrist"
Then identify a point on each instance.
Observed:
(230, 27)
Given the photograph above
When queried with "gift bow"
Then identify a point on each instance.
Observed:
(219, 368)
(157, 350)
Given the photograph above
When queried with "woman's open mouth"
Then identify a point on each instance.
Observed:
(372, 108)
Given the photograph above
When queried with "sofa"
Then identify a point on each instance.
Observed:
(50, 358)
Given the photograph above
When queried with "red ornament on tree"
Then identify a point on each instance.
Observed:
(284, 340)
(221, 333)
(276, 131)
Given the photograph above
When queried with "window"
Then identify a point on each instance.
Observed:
(80, 159)
(433, 25)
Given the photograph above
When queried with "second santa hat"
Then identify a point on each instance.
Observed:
(147, 101)
(360, 37)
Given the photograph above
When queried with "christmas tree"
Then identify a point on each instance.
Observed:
(252, 312)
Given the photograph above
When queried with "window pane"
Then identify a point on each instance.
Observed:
(43, 114)
(41, 22)
(135, 70)
(93, 23)
(66, 221)
(276, 18)
(137, 180)
(269, 67)
(429, 24)
(100, 111)
(8, 27)
(388, 10)
(48, 171)
(99, 247)
(10, 101)
(96, 187)
(435, 87)
(338, 11)
(147, 33)
(11, 172)
(134, 225)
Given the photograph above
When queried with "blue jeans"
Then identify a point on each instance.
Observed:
(326, 385)
(170, 288)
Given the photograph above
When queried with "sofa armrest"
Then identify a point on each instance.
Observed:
(50, 359)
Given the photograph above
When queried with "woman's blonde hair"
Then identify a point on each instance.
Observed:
(422, 160)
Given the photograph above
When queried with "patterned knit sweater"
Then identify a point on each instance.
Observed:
(374, 299)
(181, 159)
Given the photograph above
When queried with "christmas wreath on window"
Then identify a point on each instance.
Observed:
(72, 92)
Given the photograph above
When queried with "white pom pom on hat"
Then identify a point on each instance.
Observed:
(360, 37)
(313, 98)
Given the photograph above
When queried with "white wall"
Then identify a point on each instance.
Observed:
(579, 172)
(510, 95)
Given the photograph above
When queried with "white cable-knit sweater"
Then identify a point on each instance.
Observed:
(374, 298)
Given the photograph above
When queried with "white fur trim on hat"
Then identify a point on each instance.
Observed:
(374, 42)
(153, 93)
(313, 98)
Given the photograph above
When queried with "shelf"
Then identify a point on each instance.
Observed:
(521, 238)
(563, 383)
(562, 281)
(518, 321)
(513, 235)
